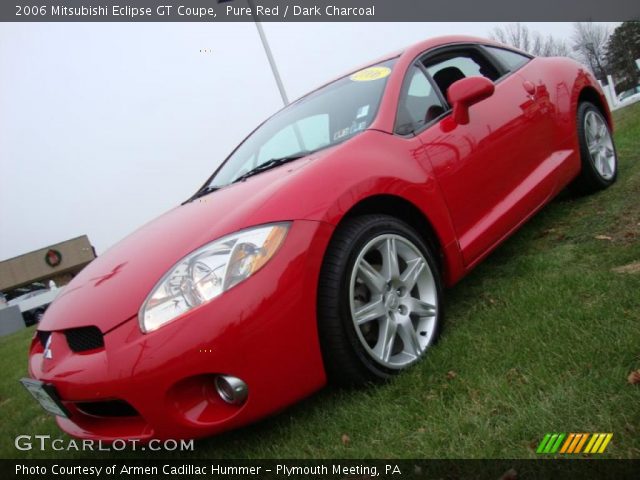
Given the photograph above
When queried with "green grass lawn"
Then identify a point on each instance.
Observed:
(540, 338)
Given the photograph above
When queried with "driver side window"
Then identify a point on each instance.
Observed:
(446, 69)
(419, 103)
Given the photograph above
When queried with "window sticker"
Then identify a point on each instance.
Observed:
(341, 133)
(371, 73)
(345, 132)
(362, 111)
(359, 127)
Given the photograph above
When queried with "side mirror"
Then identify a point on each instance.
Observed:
(466, 92)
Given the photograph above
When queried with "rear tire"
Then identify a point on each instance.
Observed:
(379, 300)
(598, 154)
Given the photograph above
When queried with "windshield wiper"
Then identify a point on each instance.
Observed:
(204, 191)
(269, 164)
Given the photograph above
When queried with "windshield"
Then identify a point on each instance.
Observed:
(323, 118)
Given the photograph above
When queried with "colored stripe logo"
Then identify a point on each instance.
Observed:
(574, 443)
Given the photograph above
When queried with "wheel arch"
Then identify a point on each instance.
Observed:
(402, 209)
(591, 95)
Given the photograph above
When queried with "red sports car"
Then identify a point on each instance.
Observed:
(320, 249)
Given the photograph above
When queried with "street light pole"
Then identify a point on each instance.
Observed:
(267, 50)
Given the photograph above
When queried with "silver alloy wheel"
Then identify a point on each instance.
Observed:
(394, 301)
(600, 145)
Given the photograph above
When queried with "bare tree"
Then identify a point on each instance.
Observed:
(514, 34)
(549, 46)
(590, 45)
(519, 36)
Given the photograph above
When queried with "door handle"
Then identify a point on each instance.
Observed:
(529, 87)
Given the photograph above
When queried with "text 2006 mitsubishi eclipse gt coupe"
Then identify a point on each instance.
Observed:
(320, 248)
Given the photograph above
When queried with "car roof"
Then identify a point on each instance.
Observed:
(415, 50)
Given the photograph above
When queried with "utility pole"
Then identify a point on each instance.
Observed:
(267, 50)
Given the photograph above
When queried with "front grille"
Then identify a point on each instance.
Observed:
(43, 337)
(107, 408)
(84, 338)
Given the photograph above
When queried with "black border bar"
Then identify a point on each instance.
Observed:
(317, 10)
(331, 469)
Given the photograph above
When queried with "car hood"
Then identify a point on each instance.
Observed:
(111, 289)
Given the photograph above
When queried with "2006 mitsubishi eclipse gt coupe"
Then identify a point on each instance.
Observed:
(319, 250)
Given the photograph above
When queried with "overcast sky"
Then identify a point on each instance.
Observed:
(105, 126)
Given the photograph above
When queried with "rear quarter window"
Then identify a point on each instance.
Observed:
(511, 60)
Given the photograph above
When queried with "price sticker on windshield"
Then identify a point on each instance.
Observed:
(371, 73)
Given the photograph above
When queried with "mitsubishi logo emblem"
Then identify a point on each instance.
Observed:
(47, 349)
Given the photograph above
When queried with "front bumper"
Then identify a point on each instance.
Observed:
(263, 331)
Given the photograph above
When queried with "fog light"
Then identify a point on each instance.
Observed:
(231, 389)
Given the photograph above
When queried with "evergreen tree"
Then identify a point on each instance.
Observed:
(623, 49)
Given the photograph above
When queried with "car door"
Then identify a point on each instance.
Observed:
(538, 106)
(489, 169)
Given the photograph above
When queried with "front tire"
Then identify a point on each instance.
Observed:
(379, 300)
(598, 154)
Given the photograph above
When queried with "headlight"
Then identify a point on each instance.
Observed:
(207, 272)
